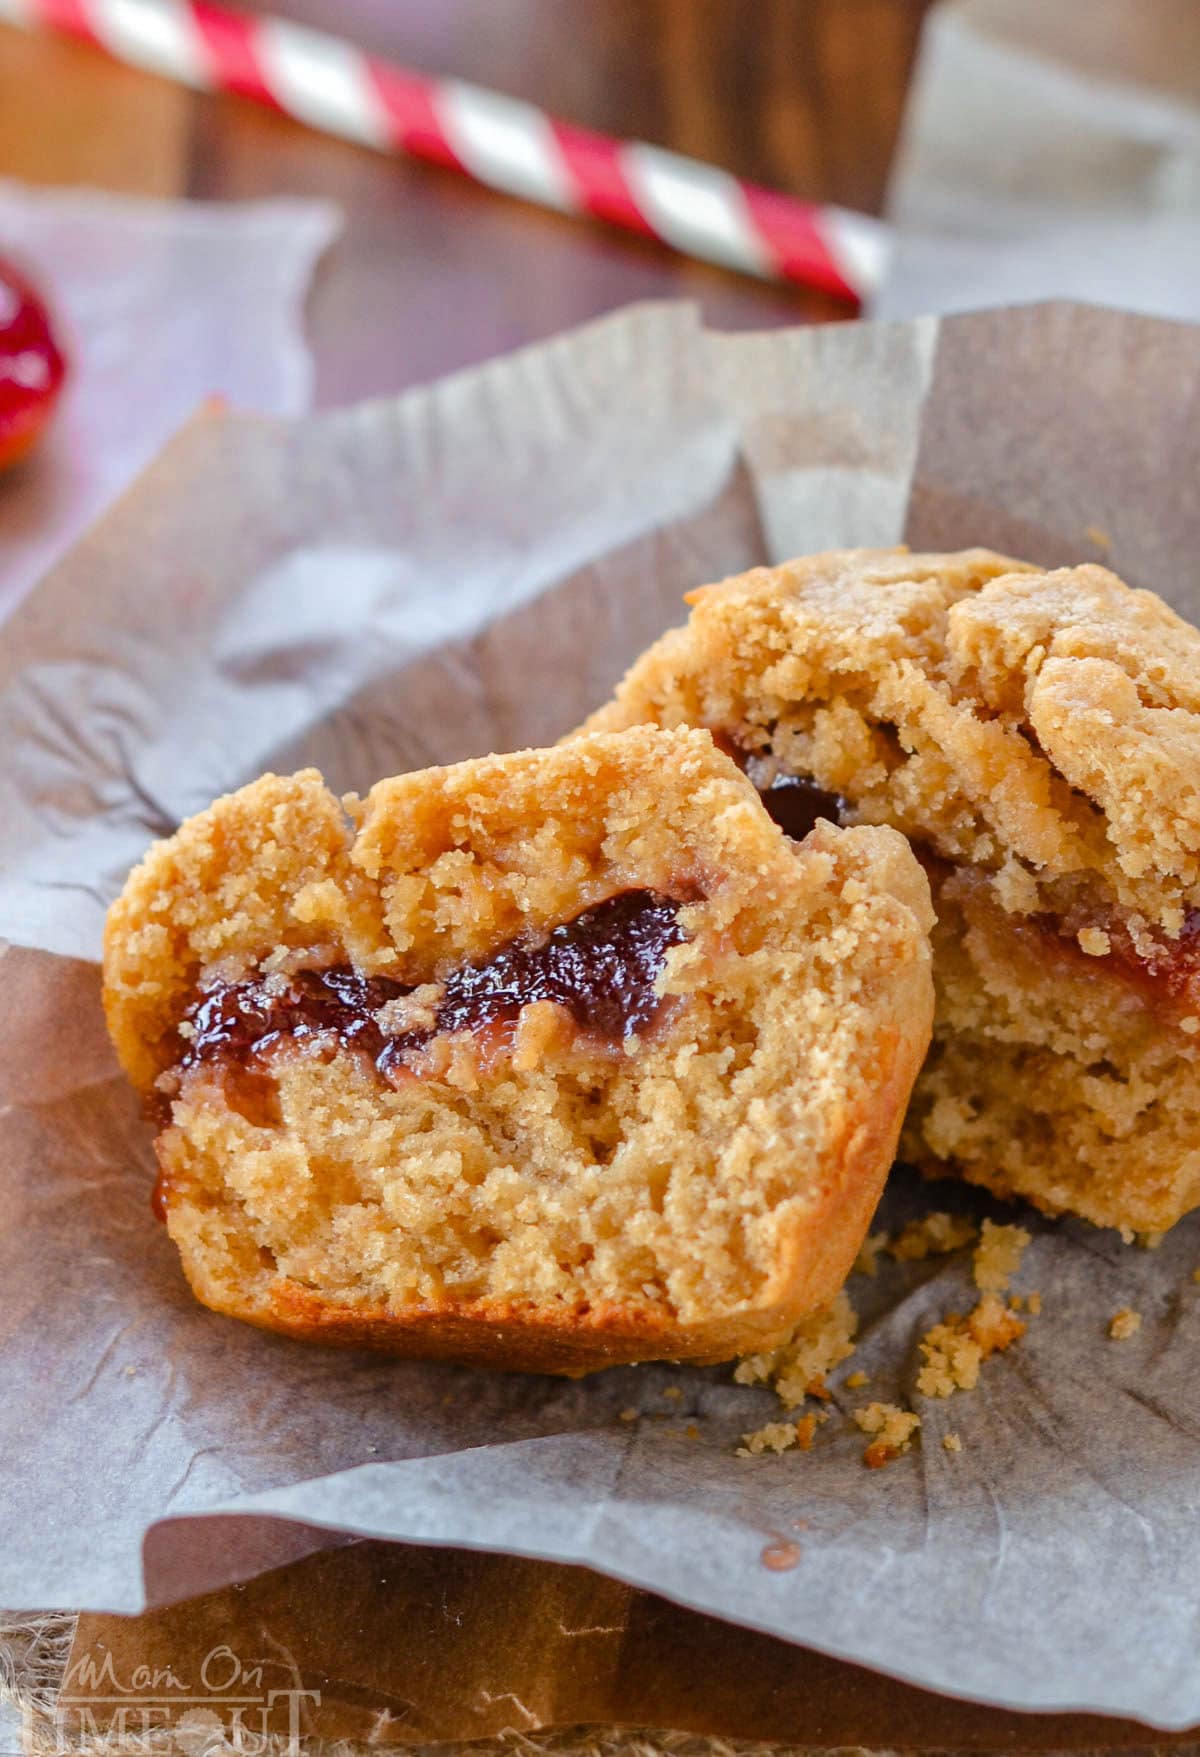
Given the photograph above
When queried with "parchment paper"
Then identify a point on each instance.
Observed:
(1050, 151)
(159, 304)
(473, 565)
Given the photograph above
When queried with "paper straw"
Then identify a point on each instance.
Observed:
(508, 145)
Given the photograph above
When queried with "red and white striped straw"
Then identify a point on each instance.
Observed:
(509, 145)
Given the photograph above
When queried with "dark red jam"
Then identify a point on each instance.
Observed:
(1166, 971)
(1177, 962)
(235, 1020)
(601, 967)
(797, 804)
(1168, 967)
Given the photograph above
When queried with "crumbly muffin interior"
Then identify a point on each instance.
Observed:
(533, 1160)
(1053, 1075)
(1037, 737)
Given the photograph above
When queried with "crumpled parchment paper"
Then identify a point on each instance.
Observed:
(1050, 152)
(472, 566)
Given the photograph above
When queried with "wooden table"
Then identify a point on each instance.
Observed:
(431, 272)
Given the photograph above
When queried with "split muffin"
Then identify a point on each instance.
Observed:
(545, 1061)
(1036, 736)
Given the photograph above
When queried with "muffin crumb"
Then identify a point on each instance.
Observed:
(867, 1260)
(892, 1429)
(998, 1256)
(955, 1349)
(806, 1427)
(951, 1443)
(1124, 1324)
(780, 1436)
(773, 1436)
(797, 1369)
(934, 1235)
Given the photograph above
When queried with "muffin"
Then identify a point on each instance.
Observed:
(1036, 736)
(544, 1061)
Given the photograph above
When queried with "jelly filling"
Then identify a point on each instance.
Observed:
(1169, 967)
(601, 967)
(1175, 963)
(797, 804)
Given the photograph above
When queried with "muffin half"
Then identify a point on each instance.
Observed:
(546, 1061)
(1037, 737)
